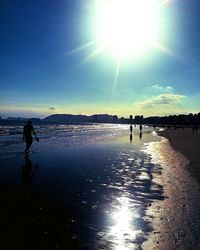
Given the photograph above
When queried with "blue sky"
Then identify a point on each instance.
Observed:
(42, 71)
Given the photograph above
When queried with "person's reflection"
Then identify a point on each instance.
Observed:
(131, 137)
(28, 172)
(140, 135)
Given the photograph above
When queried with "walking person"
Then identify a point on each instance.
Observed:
(27, 136)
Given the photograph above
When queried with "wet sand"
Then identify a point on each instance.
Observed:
(110, 195)
(187, 143)
(89, 196)
(176, 221)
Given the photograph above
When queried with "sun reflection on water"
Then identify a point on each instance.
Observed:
(122, 230)
(130, 192)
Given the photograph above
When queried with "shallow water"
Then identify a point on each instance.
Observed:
(105, 181)
(10, 134)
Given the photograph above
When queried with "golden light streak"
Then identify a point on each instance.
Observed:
(83, 47)
(166, 2)
(116, 77)
(94, 53)
(163, 49)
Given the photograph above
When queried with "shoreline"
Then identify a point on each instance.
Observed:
(187, 143)
(176, 219)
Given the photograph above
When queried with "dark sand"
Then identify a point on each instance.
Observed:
(176, 220)
(187, 143)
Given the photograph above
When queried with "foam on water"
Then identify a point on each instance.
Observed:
(13, 134)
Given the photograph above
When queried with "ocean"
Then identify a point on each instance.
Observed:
(102, 179)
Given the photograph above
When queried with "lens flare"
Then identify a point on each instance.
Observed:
(127, 27)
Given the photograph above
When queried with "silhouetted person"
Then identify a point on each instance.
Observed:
(131, 129)
(195, 125)
(140, 127)
(131, 137)
(195, 128)
(27, 135)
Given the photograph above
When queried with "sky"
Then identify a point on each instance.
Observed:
(56, 59)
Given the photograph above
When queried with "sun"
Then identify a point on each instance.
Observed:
(127, 27)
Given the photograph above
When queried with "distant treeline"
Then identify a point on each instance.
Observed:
(190, 119)
(182, 119)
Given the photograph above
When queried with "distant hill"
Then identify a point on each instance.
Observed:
(23, 119)
(68, 118)
(181, 119)
(65, 118)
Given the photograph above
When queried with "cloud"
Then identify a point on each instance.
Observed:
(52, 108)
(162, 99)
(161, 89)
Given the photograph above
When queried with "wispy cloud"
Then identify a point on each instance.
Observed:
(52, 108)
(160, 89)
(162, 99)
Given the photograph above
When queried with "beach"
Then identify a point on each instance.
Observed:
(93, 188)
(187, 143)
(177, 217)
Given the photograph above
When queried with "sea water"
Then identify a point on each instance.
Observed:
(13, 134)
(104, 179)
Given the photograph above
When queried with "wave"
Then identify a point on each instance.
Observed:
(13, 134)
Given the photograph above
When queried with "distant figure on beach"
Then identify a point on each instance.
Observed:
(195, 124)
(140, 135)
(131, 128)
(27, 136)
(131, 137)
(195, 128)
(140, 127)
